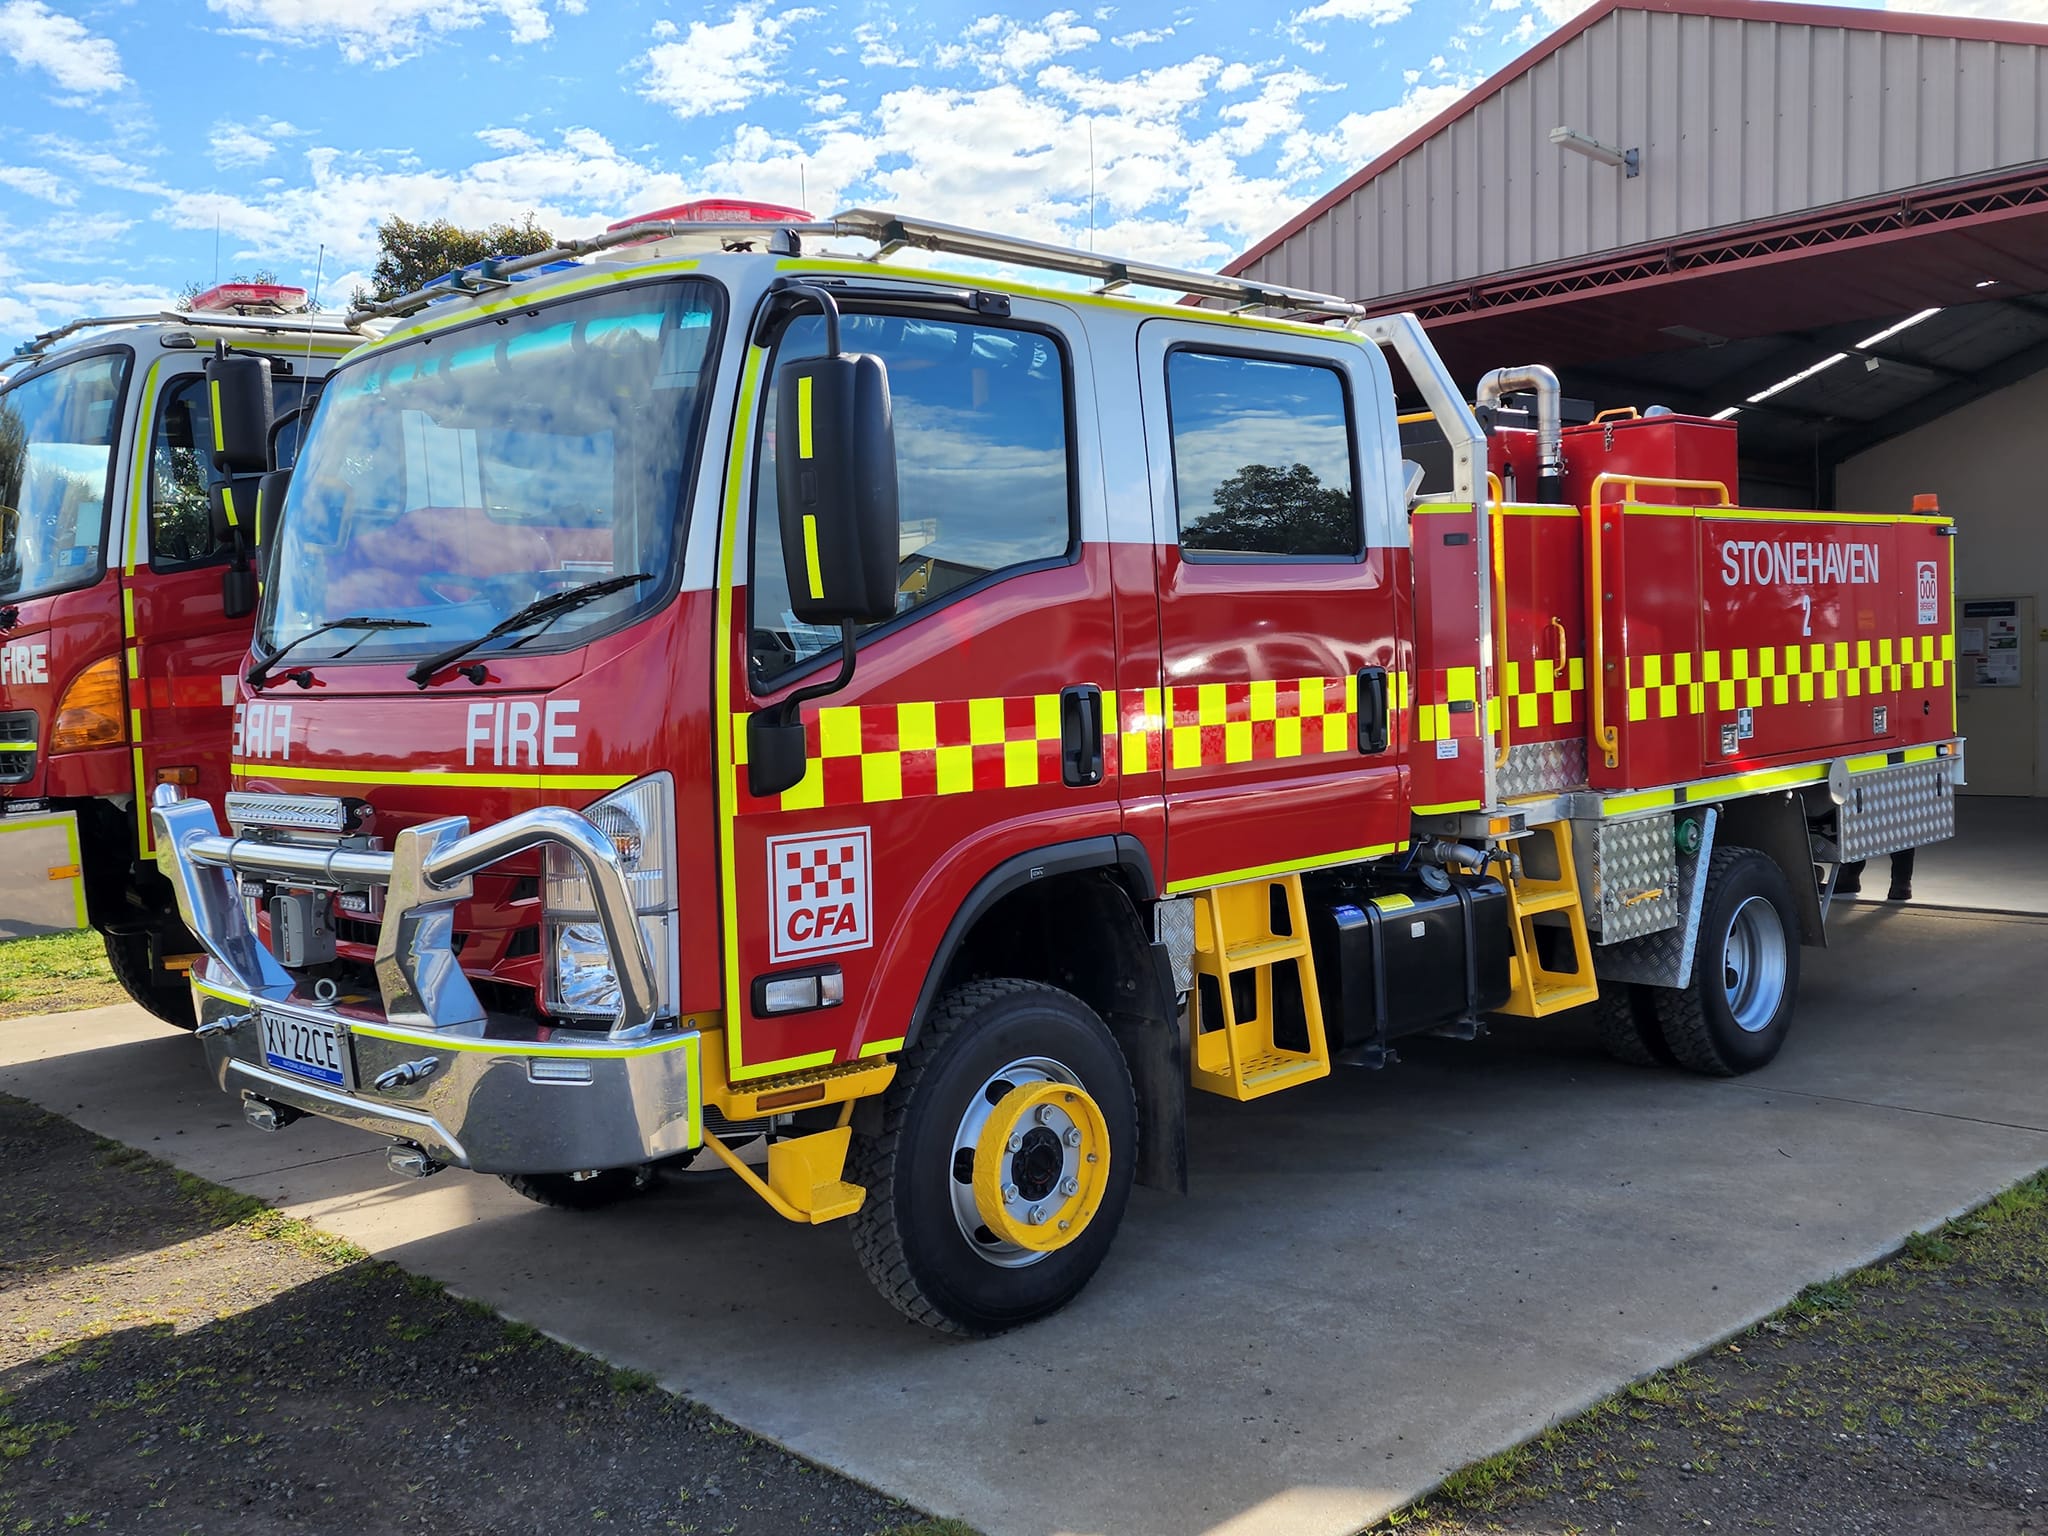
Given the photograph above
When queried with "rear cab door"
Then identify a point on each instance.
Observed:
(949, 755)
(1281, 558)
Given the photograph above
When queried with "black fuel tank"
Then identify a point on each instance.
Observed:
(1394, 958)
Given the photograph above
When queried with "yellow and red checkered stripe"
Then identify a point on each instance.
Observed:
(1690, 683)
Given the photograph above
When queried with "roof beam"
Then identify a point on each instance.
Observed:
(2005, 373)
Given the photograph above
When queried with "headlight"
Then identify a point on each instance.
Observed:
(90, 714)
(639, 820)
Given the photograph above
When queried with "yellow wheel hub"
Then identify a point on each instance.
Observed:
(1041, 1165)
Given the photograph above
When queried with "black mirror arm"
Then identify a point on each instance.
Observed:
(788, 710)
(799, 292)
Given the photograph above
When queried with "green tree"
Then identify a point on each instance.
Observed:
(1264, 509)
(415, 254)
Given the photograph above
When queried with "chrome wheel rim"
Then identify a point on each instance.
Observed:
(967, 1136)
(1753, 965)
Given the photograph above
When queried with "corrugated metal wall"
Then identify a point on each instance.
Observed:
(1736, 120)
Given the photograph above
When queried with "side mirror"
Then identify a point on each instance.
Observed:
(270, 494)
(239, 396)
(835, 488)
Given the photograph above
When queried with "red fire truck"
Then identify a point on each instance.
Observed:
(128, 532)
(720, 686)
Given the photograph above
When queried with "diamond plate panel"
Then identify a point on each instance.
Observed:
(1542, 768)
(1630, 876)
(1173, 924)
(1901, 807)
(1664, 958)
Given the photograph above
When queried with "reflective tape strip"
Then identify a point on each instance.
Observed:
(1664, 687)
(220, 442)
(803, 418)
(811, 571)
(227, 502)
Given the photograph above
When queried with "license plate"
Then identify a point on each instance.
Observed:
(306, 1048)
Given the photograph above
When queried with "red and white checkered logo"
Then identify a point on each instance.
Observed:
(819, 883)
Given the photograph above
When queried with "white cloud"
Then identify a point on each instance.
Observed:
(383, 31)
(30, 306)
(1359, 136)
(36, 37)
(718, 66)
(1375, 12)
(34, 181)
(1990, 10)
(1002, 48)
(1142, 36)
(233, 144)
(508, 139)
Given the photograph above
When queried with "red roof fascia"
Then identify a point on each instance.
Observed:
(1913, 23)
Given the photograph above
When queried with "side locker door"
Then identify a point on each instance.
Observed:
(1282, 549)
(973, 737)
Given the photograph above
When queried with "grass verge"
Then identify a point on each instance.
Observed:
(54, 972)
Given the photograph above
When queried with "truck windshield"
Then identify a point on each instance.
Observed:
(456, 479)
(57, 434)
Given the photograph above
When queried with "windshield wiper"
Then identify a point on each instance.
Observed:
(259, 674)
(550, 608)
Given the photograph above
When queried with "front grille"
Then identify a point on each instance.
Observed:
(17, 746)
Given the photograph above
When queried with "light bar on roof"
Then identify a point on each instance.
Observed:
(718, 210)
(235, 298)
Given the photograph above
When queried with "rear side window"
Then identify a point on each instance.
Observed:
(1262, 460)
(982, 466)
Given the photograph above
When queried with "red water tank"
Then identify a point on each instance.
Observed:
(1660, 447)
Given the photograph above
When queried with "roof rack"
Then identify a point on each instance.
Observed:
(890, 232)
(37, 346)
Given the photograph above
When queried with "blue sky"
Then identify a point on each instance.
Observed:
(132, 130)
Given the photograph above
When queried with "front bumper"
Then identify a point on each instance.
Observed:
(429, 1067)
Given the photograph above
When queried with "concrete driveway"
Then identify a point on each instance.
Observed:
(1376, 1280)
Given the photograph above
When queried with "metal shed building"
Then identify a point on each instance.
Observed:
(1829, 223)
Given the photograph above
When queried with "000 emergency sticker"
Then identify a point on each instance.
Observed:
(819, 894)
(1927, 589)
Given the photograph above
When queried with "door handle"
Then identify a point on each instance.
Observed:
(1372, 710)
(1081, 735)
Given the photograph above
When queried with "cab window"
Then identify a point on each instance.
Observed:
(182, 529)
(1262, 460)
(982, 460)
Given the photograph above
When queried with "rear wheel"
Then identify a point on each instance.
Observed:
(1737, 1010)
(167, 994)
(1626, 1018)
(582, 1191)
(1008, 1142)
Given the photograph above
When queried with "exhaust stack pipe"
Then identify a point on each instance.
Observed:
(1502, 382)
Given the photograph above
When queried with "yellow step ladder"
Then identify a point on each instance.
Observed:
(1545, 881)
(1237, 935)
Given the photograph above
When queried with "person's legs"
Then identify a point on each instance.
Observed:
(1849, 879)
(1902, 876)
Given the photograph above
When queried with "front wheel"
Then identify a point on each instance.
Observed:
(166, 994)
(1737, 1010)
(1008, 1143)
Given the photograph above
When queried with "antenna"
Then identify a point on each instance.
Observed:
(312, 309)
(1091, 183)
(803, 191)
(216, 250)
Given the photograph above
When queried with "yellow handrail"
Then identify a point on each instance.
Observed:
(1498, 518)
(1605, 735)
(1624, 412)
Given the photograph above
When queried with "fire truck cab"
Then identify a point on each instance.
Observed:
(722, 687)
(128, 535)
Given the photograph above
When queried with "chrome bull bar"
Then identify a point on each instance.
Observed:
(426, 875)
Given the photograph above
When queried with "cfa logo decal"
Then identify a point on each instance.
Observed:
(819, 894)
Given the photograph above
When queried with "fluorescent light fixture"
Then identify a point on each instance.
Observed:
(1798, 378)
(1630, 160)
(1725, 412)
(1906, 324)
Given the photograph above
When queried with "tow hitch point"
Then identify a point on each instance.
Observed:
(267, 1115)
(410, 1162)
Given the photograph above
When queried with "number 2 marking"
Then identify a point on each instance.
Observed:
(1806, 621)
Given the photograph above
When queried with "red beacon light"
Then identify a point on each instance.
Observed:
(718, 210)
(241, 298)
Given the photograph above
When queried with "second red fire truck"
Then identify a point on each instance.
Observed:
(717, 685)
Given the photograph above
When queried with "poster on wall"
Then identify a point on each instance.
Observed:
(1988, 643)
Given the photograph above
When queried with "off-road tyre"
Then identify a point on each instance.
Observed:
(906, 1234)
(166, 994)
(564, 1193)
(1625, 1019)
(1699, 1020)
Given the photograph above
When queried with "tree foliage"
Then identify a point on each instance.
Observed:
(414, 254)
(1264, 509)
